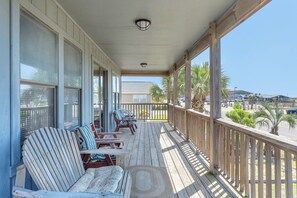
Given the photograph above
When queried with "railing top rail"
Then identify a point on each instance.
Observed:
(277, 141)
(205, 116)
(179, 108)
(144, 103)
(33, 108)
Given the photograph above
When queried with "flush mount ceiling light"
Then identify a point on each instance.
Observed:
(143, 65)
(143, 24)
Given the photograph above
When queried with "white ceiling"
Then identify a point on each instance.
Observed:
(176, 25)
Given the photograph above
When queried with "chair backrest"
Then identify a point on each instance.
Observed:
(93, 127)
(117, 116)
(52, 158)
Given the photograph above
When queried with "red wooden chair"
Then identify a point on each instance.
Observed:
(123, 122)
(90, 161)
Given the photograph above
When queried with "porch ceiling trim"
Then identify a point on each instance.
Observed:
(144, 73)
(236, 14)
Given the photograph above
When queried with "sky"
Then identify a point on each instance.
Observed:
(260, 55)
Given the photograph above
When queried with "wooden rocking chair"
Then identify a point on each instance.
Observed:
(53, 160)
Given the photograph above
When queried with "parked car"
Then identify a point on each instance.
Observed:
(292, 111)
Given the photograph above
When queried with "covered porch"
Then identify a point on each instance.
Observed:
(97, 42)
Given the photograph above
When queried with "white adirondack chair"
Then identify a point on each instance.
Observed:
(52, 158)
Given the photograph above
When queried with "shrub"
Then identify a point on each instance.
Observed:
(242, 117)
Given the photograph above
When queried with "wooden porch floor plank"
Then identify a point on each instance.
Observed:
(156, 133)
(147, 146)
(173, 173)
(190, 183)
(158, 145)
(214, 186)
(153, 149)
(190, 172)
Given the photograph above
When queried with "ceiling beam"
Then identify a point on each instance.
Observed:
(144, 73)
(236, 14)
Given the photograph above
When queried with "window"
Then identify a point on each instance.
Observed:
(72, 82)
(39, 75)
(38, 52)
(72, 108)
(140, 98)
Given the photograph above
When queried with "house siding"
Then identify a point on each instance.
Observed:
(128, 98)
(50, 13)
(5, 98)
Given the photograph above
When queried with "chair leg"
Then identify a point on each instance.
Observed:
(131, 129)
(109, 160)
(136, 126)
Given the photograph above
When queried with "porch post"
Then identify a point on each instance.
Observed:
(168, 89)
(175, 95)
(169, 113)
(215, 94)
(187, 91)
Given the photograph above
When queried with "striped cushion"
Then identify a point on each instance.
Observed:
(89, 139)
(118, 114)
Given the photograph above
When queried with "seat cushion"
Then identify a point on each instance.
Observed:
(125, 123)
(89, 139)
(104, 179)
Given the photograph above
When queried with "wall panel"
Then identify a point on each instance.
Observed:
(4, 99)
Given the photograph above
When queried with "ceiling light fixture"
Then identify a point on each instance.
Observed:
(143, 65)
(143, 24)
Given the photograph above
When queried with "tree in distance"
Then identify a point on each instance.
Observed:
(272, 116)
(201, 85)
(158, 94)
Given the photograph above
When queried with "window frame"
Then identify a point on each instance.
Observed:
(80, 89)
(53, 86)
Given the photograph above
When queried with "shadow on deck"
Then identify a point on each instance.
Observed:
(157, 144)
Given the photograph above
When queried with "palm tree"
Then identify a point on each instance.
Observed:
(272, 116)
(158, 94)
(201, 88)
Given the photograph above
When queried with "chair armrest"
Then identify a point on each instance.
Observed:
(103, 151)
(109, 133)
(119, 153)
(114, 134)
(126, 119)
(111, 140)
(21, 192)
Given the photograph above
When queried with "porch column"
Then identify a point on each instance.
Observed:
(168, 89)
(215, 93)
(175, 95)
(187, 91)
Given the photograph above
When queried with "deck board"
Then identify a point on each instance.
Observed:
(157, 144)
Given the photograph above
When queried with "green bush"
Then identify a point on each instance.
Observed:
(143, 114)
(242, 117)
(237, 105)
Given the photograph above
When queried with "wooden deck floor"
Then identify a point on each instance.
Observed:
(157, 144)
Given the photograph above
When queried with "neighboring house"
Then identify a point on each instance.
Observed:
(270, 98)
(136, 92)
